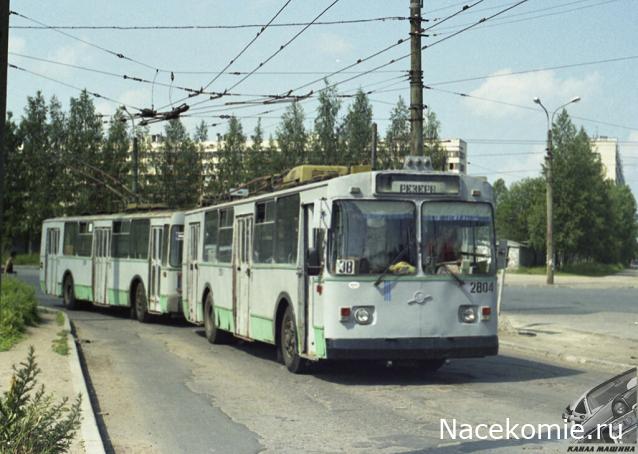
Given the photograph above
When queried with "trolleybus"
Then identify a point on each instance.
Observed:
(390, 265)
(131, 260)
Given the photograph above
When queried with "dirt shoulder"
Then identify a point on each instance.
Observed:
(55, 373)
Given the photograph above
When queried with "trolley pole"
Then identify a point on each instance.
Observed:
(416, 79)
(4, 62)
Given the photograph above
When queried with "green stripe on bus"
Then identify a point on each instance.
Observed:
(261, 328)
(274, 266)
(118, 297)
(215, 265)
(83, 292)
(320, 342)
(225, 319)
(163, 303)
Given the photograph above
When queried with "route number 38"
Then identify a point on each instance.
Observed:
(481, 287)
(345, 266)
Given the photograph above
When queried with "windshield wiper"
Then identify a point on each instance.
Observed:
(387, 269)
(454, 274)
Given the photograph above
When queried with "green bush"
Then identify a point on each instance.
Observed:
(25, 259)
(18, 309)
(593, 268)
(30, 421)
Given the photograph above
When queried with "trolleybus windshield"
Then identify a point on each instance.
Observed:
(370, 236)
(457, 237)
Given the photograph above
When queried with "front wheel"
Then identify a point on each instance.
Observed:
(213, 333)
(140, 305)
(68, 294)
(288, 344)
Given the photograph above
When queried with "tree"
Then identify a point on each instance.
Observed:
(397, 138)
(581, 197)
(12, 191)
(520, 212)
(432, 141)
(39, 196)
(57, 133)
(325, 146)
(230, 167)
(180, 167)
(258, 157)
(623, 224)
(357, 131)
(87, 193)
(292, 138)
(115, 161)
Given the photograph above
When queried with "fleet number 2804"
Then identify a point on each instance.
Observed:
(481, 287)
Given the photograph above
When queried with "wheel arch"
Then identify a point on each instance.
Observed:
(283, 301)
(135, 280)
(67, 274)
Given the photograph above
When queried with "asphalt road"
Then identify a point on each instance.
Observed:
(161, 387)
(608, 311)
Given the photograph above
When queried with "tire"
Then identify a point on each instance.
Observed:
(68, 294)
(288, 344)
(213, 333)
(430, 365)
(140, 306)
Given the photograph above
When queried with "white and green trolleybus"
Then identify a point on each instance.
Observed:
(389, 265)
(132, 260)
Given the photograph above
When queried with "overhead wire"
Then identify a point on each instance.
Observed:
(209, 27)
(119, 55)
(281, 48)
(92, 93)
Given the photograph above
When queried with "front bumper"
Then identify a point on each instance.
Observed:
(412, 348)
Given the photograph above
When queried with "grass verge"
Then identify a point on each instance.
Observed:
(25, 259)
(577, 269)
(60, 344)
(18, 309)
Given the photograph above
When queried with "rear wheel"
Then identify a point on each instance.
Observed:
(288, 344)
(68, 294)
(213, 333)
(140, 305)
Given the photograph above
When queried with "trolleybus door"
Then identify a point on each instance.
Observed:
(306, 241)
(101, 260)
(242, 263)
(51, 261)
(155, 268)
(192, 269)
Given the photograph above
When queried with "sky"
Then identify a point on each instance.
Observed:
(504, 129)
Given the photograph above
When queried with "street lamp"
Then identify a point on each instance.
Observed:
(550, 200)
(135, 155)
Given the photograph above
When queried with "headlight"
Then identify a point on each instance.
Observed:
(467, 314)
(363, 315)
(619, 408)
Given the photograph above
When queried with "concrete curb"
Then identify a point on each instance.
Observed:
(565, 357)
(89, 431)
(507, 327)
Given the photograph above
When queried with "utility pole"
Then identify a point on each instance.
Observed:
(136, 165)
(549, 187)
(550, 209)
(416, 79)
(373, 157)
(4, 63)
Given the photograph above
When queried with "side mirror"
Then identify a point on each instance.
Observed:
(501, 255)
(313, 262)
